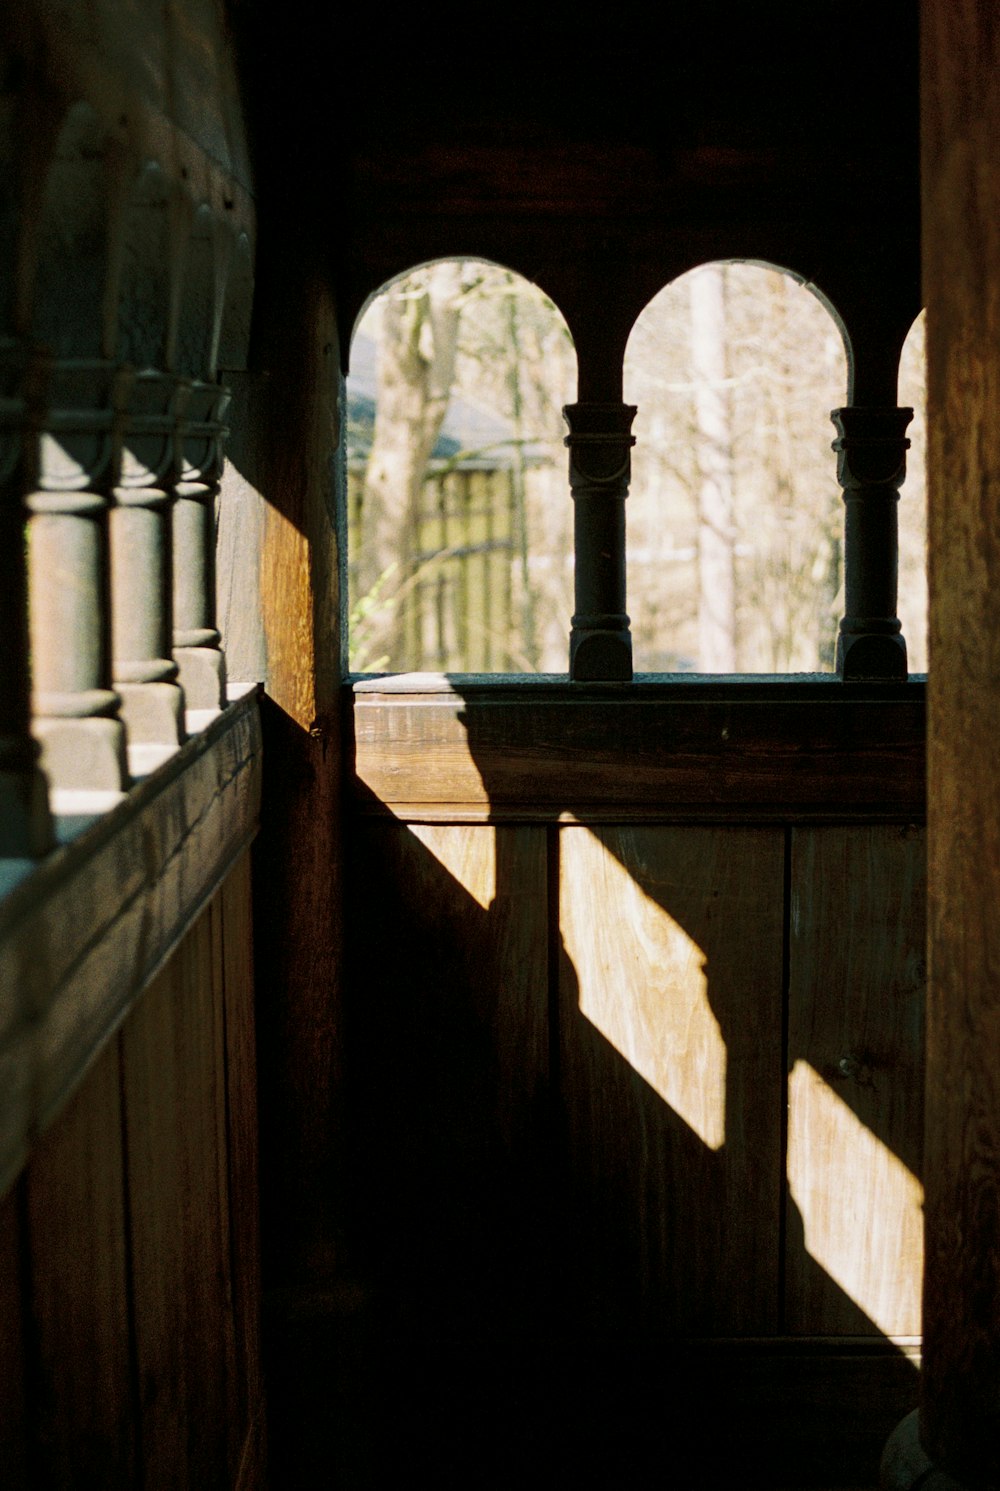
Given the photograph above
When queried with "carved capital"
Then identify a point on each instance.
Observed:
(871, 448)
(203, 433)
(13, 407)
(600, 442)
(76, 409)
(152, 407)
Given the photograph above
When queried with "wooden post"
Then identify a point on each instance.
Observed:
(145, 672)
(871, 464)
(196, 637)
(25, 827)
(77, 720)
(958, 1434)
(600, 442)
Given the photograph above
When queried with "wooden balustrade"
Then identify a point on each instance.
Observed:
(25, 829)
(77, 710)
(871, 465)
(145, 672)
(600, 442)
(196, 637)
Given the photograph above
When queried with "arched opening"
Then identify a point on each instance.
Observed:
(913, 499)
(735, 517)
(459, 527)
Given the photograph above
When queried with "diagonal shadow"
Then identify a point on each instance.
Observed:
(546, 1237)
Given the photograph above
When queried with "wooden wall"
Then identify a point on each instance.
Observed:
(646, 1091)
(129, 1280)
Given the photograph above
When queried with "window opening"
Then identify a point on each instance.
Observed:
(913, 499)
(735, 517)
(459, 522)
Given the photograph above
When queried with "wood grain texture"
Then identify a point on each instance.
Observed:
(82, 935)
(960, 48)
(450, 1067)
(854, 1250)
(287, 453)
(13, 1363)
(174, 1092)
(236, 929)
(429, 747)
(81, 1381)
(670, 1038)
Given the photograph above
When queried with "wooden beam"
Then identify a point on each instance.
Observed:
(428, 748)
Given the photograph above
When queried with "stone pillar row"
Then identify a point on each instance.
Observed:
(107, 602)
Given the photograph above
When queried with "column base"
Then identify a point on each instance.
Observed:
(906, 1467)
(25, 824)
(202, 676)
(600, 657)
(878, 656)
(83, 754)
(153, 712)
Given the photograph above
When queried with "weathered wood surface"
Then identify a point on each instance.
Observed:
(285, 451)
(434, 748)
(450, 1053)
(854, 1239)
(84, 932)
(13, 1417)
(670, 1036)
(80, 1391)
(129, 1347)
(960, 1415)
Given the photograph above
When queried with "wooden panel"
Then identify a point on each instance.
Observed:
(13, 1416)
(428, 747)
(960, 1409)
(450, 1065)
(174, 1088)
(81, 1381)
(81, 935)
(234, 919)
(855, 1054)
(670, 1048)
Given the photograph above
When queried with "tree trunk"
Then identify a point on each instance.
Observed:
(716, 549)
(416, 365)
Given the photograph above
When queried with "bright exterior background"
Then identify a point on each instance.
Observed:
(460, 518)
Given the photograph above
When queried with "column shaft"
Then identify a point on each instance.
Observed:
(600, 443)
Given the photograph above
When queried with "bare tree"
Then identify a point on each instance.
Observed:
(716, 537)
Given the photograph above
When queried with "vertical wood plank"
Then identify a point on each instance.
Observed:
(241, 1080)
(81, 1403)
(13, 1397)
(174, 1086)
(670, 1049)
(960, 1407)
(855, 1031)
(450, 1066)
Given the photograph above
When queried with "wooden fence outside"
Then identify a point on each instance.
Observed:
(456, 580)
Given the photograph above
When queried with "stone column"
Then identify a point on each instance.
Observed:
(76, 709)
(145, 672)
(871, 464)
(600, 443)
(25, 826)
(196, 638)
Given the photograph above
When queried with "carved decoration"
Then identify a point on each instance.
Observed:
(600, 465)
(871, 465)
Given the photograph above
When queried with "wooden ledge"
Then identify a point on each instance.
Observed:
(429, 747)
(84, 931)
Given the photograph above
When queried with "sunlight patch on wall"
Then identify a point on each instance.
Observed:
(643, 984)
(867, 1233)
(470, 858)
